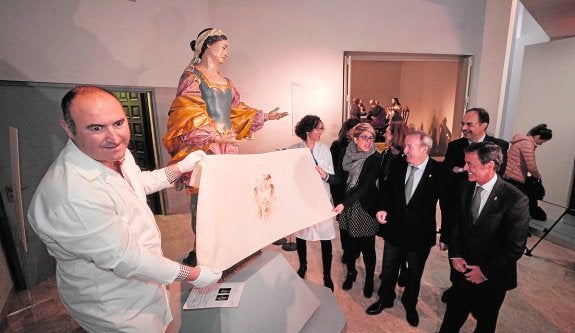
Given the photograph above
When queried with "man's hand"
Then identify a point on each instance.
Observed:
(206, 277)
(442, 246)
(459, 264)
(275, 115)
(380, 216)
(190, 161)
(474, 275)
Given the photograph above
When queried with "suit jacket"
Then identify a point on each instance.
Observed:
(497, 238)
(412, 225)
(454, 155)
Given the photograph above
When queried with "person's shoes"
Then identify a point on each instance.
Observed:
(349, 280)
(446, 294)
(412, 316)
(402, 279)
(327, 282)
(368, 288)
(301, 271)
(191, 259)
(537, 213)
(378, 306)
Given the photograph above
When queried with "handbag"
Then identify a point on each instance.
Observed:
(534, 188)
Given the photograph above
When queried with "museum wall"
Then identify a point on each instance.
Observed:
(546, 96)
(273, 45)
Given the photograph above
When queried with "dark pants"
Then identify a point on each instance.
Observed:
(355, 246)
(483, 300)
(393, 257)
(533, 203)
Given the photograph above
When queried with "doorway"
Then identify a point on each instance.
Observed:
(34, 109)
(433, 88)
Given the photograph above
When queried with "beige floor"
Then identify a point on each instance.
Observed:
(543, 302)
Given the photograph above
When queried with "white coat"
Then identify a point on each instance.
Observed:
(324, 230)
(111, 273)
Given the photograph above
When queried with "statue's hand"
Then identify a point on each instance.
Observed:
(275, 115)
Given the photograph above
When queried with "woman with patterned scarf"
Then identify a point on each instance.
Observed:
(356, 202)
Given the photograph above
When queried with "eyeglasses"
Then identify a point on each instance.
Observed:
(321, 129)
(467, 124)
(366, 138)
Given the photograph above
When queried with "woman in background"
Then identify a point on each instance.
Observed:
(356, 203)
(337, 149)
(309, 129)
(395, 134)
(521, 163)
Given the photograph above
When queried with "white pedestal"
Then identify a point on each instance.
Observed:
(274, 299)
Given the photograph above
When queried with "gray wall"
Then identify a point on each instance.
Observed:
(546, 96)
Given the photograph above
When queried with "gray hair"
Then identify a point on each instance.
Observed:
(424, 138)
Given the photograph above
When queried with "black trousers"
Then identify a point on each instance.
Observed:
(355, 246)
(393, 257)
(484, 300)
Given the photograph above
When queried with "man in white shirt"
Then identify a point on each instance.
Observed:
(90, 210)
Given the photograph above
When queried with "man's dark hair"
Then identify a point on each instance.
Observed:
(481, 114)
(486, 152)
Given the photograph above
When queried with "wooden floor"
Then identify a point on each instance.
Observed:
(543, 301)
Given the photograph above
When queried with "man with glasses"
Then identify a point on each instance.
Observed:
(408, 214)
(474, 129)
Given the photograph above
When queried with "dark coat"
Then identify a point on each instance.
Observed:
(412, 226)
(454, 155)
(366, 189)
(497, 238)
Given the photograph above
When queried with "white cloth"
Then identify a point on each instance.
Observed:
(110, 268)
(248, 201)
(324, 230)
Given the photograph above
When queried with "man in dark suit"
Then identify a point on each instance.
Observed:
(488, 237)
(409, 200)
(474, 128)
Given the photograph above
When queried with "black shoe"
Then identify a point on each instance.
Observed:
(368, 288)
(401, 281)
(538, 214)
(412, 316)
(327, 282)
(378, 306)
(301, 271)
(349, 280)
(191, 259)
(446, 295)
